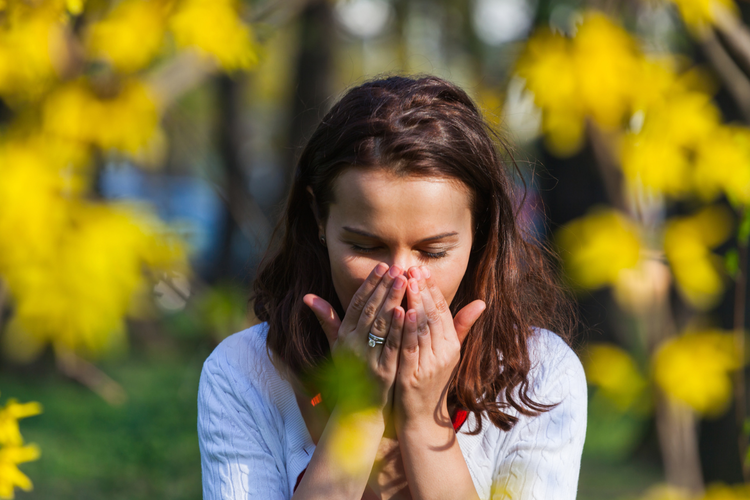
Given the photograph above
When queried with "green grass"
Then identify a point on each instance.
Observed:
(148, 447)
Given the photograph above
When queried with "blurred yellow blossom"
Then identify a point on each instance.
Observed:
(10, 475)
(10, 433)
(38, 176)
(687, 244)
(700, 14)
(659, 155)
(32, 41)
(588, 75)
(666, 492)
(131, 35)
(615, 373)
(127, 122)
(722, 165)
(596, 247)
(725, 492)
(215, 29)
(78, 300)
(347, 438)
(696, 368)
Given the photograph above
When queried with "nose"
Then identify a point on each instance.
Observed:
(404, 259)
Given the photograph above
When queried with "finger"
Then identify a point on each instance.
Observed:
(433, 315)
(361, 297)
(414, 296)
(382, 323)
(409, 359)
(392, 347)
(466, 317)
(326, 315)
(441, 304)
(373, 306)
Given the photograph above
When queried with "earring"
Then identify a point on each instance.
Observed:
(323, 240)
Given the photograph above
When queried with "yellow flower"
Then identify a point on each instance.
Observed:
(10, 476)
(700, 14)
(666, 492)
(346, 441)
(31, 45)
(724, 492)
(579, 78)
(655, 163)
(696, 367)
(79, 300)
(596, 247)
(214, 29)
(614, 371)
(687, 244)
(10, 434)
(128, 122)
(658, 156)
(605, 55)
(722, 165)
(130, 36)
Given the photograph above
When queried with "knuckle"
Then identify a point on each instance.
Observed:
(442, 307)
(433, 316)
(358, 302)
(423, 328)
(380, 324)
(369, 310)
(391, 342)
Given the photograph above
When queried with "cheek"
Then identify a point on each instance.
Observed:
(348, 276)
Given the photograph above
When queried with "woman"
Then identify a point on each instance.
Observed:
(402, 252)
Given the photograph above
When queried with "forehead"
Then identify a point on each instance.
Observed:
(383, 200)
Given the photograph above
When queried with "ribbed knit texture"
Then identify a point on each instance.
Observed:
(254, 442)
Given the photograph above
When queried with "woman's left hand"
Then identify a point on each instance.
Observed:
(430, 351)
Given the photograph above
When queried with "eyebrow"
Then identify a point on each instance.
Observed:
(373, 236)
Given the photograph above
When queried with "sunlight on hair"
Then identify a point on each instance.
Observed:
(696, 368)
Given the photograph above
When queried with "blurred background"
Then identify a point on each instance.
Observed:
(146, 147)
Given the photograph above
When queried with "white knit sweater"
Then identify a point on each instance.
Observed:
(254, 442)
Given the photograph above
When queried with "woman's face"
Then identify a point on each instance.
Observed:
(403, 221)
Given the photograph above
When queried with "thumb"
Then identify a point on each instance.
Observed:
(466, 317)
(327, 317)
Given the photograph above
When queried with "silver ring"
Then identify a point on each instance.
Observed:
(373, 340)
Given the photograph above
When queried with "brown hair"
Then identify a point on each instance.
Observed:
(424, 127)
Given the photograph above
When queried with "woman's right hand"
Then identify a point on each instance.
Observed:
(375, 307)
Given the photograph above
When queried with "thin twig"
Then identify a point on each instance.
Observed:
(740, 291)
(734, 79)
(77, 368)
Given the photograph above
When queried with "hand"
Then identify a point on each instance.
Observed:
(430, 351)
(374, 308)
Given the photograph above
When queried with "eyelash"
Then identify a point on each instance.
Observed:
(428, 255)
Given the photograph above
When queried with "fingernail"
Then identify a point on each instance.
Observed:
(414, 285)
(399, 284)
(426, 272)
(380, 269)
(416, 274)
(397, 313)
(394, 271)
(412, 316)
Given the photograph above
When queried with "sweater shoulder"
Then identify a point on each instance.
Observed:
(554, 365)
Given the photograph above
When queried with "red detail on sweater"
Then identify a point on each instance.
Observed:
(457, 420)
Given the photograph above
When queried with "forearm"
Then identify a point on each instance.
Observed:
(343, 458)
(433, 462)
